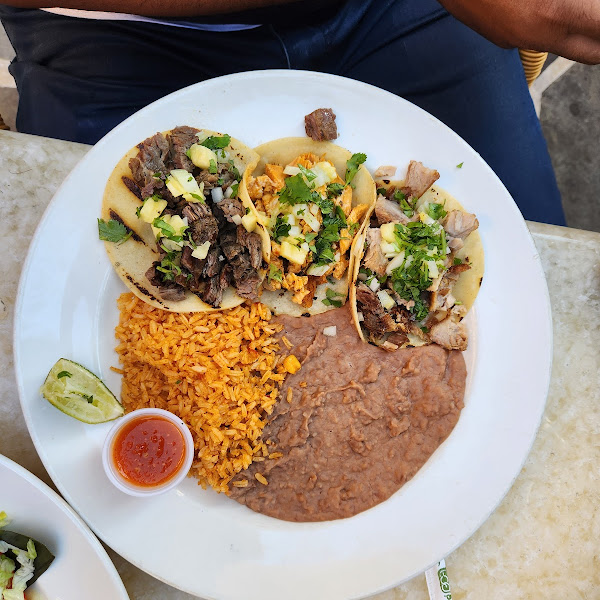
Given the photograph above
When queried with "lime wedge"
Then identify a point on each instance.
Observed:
(80, 394)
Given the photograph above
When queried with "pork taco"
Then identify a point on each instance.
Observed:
(175, 228)
(418, 265)
(312, 197)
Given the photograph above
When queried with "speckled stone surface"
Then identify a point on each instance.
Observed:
(543, 541)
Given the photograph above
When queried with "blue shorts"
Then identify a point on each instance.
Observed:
(79, 78)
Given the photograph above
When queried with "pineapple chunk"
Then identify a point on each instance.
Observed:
(201, 156)
(152, 209)
(293, 253)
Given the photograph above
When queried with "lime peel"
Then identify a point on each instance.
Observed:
(80, 394)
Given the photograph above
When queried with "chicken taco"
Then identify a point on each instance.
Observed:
(312, 197)
(418, 266)
(174, 226)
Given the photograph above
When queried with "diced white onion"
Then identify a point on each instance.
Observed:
(395, 263)
(237, 219)
(386, 300)
(361, 317)
(330, 331)
(374, 285)
(290, 219)
(433, 270)
(216, 194)
(317, 271)
(304, 246)
(201, 251)
(229, 190)
(290, 170)
(295, 230)
(337, 257)
(314, 209)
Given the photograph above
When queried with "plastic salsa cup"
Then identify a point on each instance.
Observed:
(148, 452)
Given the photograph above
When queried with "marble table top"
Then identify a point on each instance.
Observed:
(543, 541)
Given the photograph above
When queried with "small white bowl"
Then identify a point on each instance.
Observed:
(113, 473)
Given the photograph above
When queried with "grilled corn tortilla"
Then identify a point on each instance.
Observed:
(133, 257)
(466, 287)
(290, 287)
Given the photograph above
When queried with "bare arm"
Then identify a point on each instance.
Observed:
(570, 28)
(152, 8)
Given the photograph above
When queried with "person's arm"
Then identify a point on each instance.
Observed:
(569, 28)
(151, 8)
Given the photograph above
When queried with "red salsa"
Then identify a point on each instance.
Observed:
(148, 451)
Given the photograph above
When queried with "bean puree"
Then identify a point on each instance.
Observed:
(361, 422)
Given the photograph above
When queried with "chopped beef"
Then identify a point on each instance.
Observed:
(376, 320)
(320, 125)
(213, 292)
(194, 265)
(232, 207)
(180, 139)
(388, 211)
(168, 290)
(459, 224)
(418, 179)
(228, 174)
(226, 277)
(253, 243)
(153, 152)
(133, 187)
(245, 278)
(374, 258)
(449, 334)
(212, 264)
(202, 223)
(230, 245)
(208, 179)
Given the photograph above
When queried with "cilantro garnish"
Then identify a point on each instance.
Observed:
(212, 166)
(281, 229)
(457, 261)
(296, 191)
(381, 191)
(325, 204)
(353, 228)
(459, 165)
(168, 265)
(113, 231)
(197, 197)
(64, 374)
(233, 170)
(330, 298)
(274, 273)
(213, 142)
(423, 243)
(234, 190)
(310, 175)
(436, 211)
(352, 165)
(406, 207)
(334, 189)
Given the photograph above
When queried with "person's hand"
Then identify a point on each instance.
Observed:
(569, 28)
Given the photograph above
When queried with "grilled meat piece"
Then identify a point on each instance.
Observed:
(151, 158)
(232, 207)
(212, 264)
(449, 334)
(374, 258)
(133, 187)
(376, 320)
(245, 277)
(168, 290)
(459, 224)
(213, 292)
(388, 211)
(253, 243)
(320, 125)
(418, 179)
(180, 140)
(202, 223)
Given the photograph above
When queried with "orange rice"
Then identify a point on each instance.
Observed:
(219, 371)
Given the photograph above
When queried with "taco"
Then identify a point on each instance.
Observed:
(312, 198)
(418, 266)
(174, 226)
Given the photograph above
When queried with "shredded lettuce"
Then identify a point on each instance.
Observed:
(17, 578)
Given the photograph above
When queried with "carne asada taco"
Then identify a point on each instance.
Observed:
(174, 227)
(418, 266)
(312, 198)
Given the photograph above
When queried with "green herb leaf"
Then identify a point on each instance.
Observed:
(281, 229)
(197, 197)
(274, 273)
(167, 230)
(212, 166)
(64, 374)
(457, 261)
(352, 165)
(436, 211)
(296, 191)
(334, 189)
(406, 207)
(330, 298)
(381, 191)
(459, 165)
(234, 190)
(214, 142)
(113, 231)
(310, 175)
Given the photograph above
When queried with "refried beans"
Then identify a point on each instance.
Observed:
(360, 422)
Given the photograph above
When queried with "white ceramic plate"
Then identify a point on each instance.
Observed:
(81, 568)
(205, 543)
